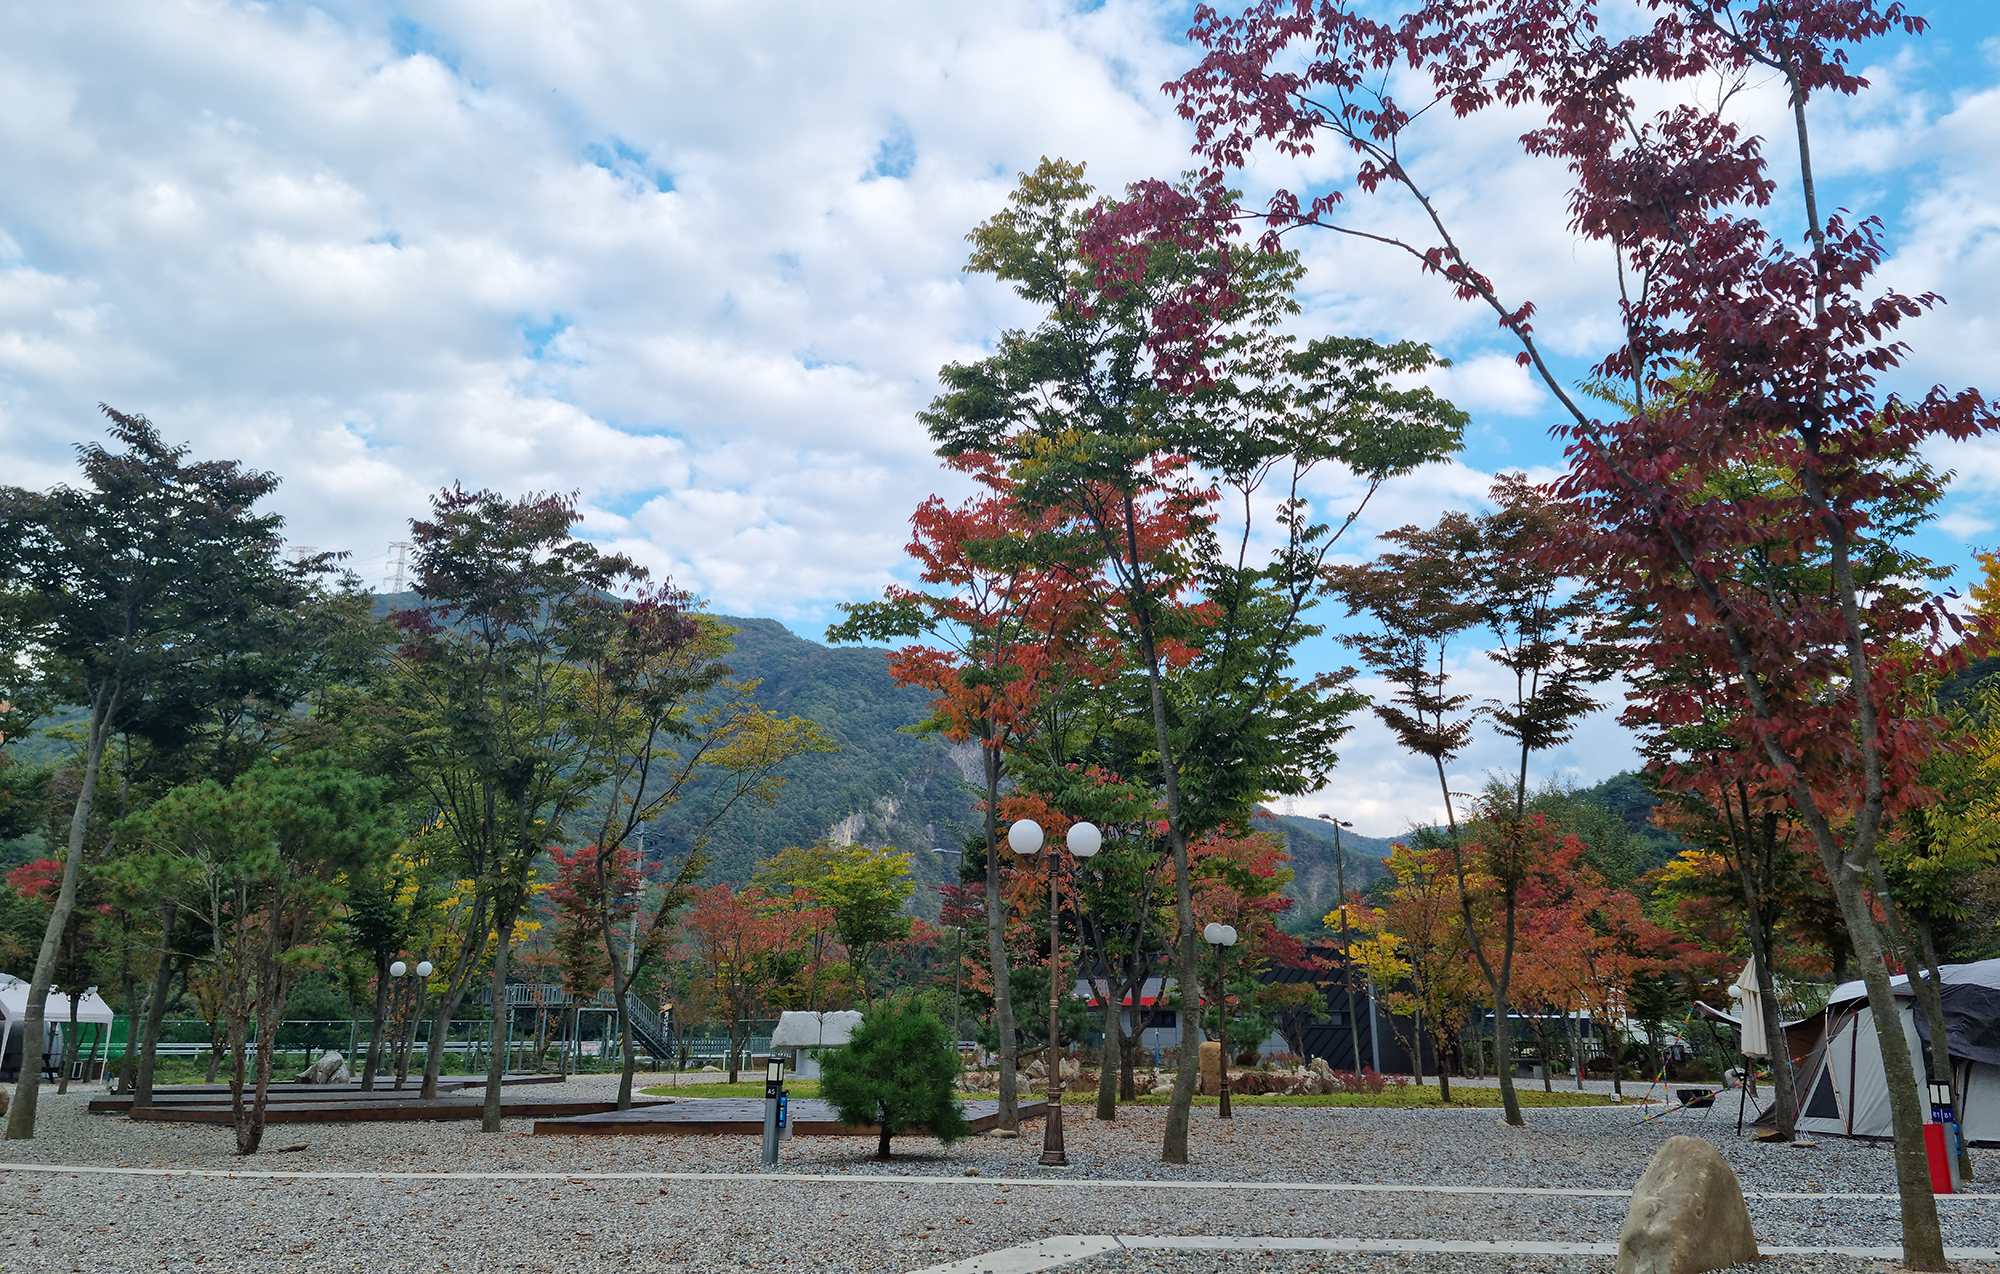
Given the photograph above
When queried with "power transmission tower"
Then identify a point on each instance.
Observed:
(393, 582)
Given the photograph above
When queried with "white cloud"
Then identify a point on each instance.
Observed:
(700, 262)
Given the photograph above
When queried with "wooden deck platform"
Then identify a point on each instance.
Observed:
(288, 1093)
(724, 1116)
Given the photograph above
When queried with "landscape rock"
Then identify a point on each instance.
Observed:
(331, 1068)
(1211, 1068)
(1687, 1214)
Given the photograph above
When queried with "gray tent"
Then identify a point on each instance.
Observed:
(1840, 1074)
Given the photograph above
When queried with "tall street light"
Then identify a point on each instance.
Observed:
(1347, 968)
(1221, 937)
(1025, 839)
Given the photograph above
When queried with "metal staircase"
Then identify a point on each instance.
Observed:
(649, 1030)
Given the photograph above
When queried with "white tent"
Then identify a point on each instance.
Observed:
(800, 1032)
(1840, 1077)
(90, 1010)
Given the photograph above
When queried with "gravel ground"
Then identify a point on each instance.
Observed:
(64, 1222)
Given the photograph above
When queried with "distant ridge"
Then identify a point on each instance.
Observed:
(1310, 843)
(886, 786)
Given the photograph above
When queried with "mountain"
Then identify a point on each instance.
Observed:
(885, 786)
(1310, 843)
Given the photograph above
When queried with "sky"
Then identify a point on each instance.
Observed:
(700, 264)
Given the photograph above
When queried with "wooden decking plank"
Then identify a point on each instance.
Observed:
(287, 1092)
(724, 1116)
(370, 1111)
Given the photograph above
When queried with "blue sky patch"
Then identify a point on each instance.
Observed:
(897, 154)
(539, 336)
(413, 39)
(623, 161)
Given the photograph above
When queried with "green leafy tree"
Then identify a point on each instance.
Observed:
(1155, 378)
(261, 862)
(664, 722)
(899, 1072)
(120, 586)
(509, 604)
(865, 887)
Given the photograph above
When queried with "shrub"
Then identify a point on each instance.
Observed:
(899, 1072)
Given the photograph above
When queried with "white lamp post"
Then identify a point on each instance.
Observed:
(1221, 937)
(1084, 840)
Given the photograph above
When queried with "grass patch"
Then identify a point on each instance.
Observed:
(1408, 1096)
(793, 1088)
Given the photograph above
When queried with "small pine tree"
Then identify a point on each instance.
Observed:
(899, 1072)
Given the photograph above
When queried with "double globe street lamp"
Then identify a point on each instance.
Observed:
(1221, 937)
(1084, 840)
(413, 1009)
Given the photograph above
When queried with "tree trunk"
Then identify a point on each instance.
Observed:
(1107, 1064)
(378, 1025)
(1503, 1032)
(1503, 1058)
(1174, 1149)
(882, 1136)
(1784, 1095)
(1923, 1239)
(239, 1046)
(270, 1017)
(21, 1113)
(1128, 1057)
(1940, 1044)
(461, 976)
(631, 1054)
(156, 1009)
(1444, 1080)
(128, 1061)
(996, 946)
(503, 1021)
(70, 1042)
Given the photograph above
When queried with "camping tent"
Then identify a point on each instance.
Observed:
(91, 1010)
(798, 1033)
(1840, 1074)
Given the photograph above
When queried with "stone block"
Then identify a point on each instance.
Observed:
(1211, 1068)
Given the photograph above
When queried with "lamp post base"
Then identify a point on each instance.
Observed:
(1052, 1134)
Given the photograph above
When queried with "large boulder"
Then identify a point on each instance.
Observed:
(1687, 1214)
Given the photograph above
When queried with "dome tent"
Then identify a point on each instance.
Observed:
(1842, 1088)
